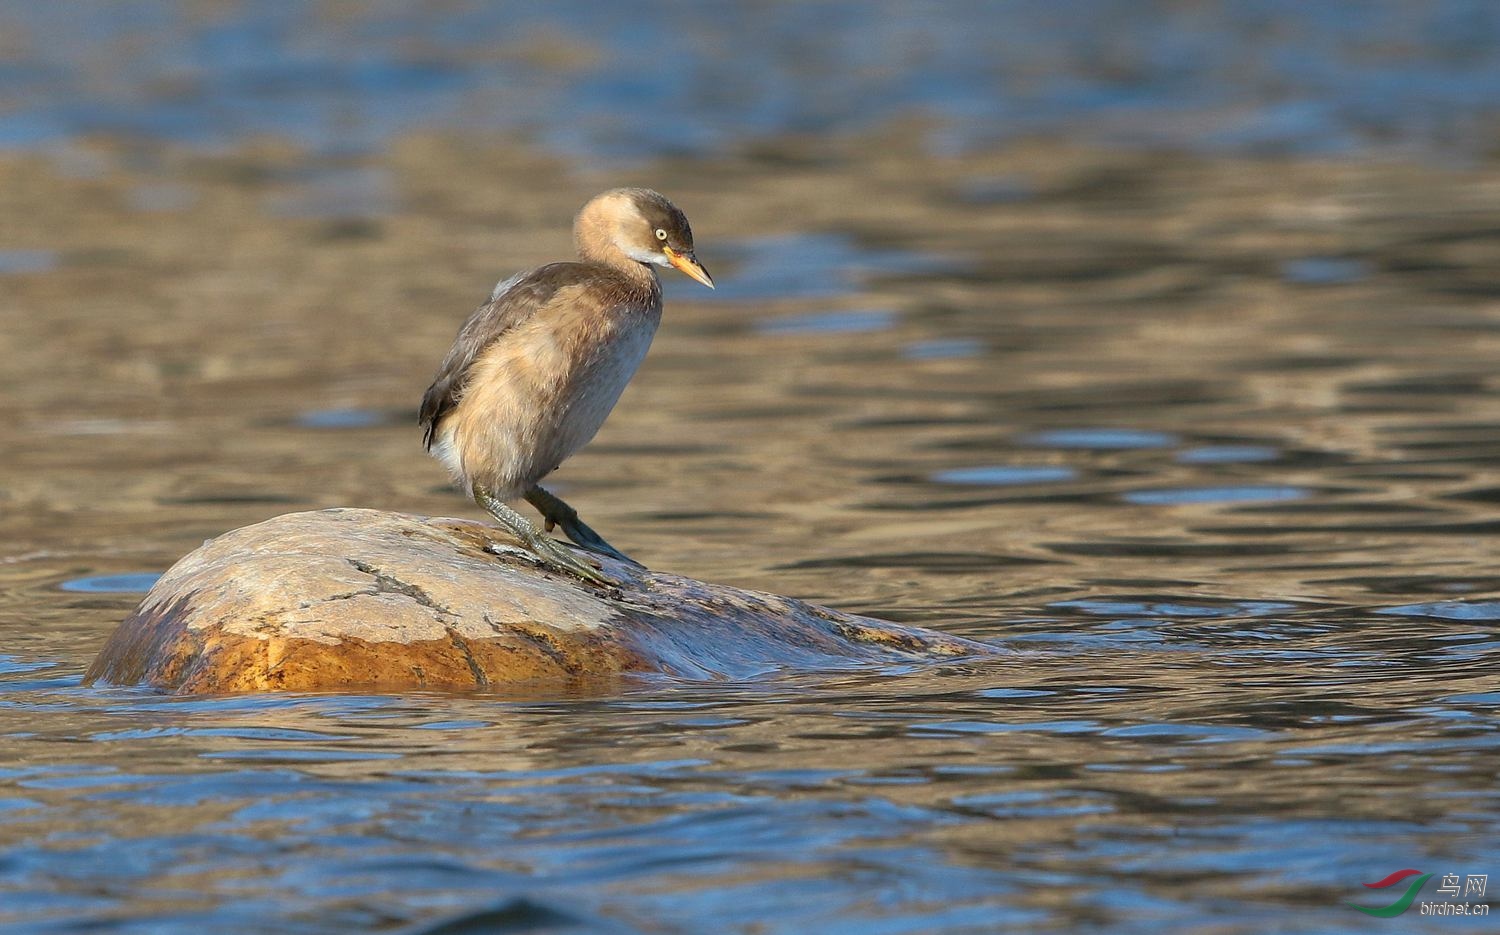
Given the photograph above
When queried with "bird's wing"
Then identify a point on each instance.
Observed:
(513, 302)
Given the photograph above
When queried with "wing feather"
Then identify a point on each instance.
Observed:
(513, 302)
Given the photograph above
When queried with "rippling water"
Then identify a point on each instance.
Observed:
(1211, 442)
(604, 81)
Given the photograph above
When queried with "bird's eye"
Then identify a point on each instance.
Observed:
(661, 234)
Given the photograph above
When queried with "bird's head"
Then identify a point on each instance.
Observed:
(644, 226)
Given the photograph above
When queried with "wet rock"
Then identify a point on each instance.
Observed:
(365, 599)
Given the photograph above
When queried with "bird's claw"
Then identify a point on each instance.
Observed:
(560, 558)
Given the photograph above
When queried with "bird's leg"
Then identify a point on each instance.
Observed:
(552, 553)
(558, 513)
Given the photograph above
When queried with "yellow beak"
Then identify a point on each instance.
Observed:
(689, 266)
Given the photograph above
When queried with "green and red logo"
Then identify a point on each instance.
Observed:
(1401, 904)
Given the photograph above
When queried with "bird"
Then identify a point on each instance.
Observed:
(536, 369)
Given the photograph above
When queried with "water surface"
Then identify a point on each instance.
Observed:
(1210, 442)
(602, 82)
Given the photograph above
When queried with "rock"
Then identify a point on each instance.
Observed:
(342, 599)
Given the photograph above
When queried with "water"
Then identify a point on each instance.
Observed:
(602, 82)
(1210, 441)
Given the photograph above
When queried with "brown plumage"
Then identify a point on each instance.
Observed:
(535, 370)
(574, 301)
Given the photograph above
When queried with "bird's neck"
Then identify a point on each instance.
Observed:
(596, 244)
(641, 274)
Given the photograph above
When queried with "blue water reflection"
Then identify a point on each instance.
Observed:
(1183, 496)
(1100, 438)
(943, 349)
(1448, 610)
(1228, 454)
(342, 418)
(1325, 271)
(801, 266)
(598, 80)
(137, 582)
(849, 322)
(1003, 474)
(26, 261)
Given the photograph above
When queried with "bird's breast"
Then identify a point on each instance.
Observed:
(541, 392)
(601, 372)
